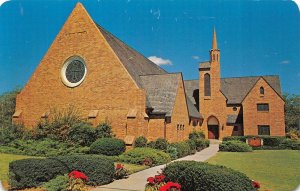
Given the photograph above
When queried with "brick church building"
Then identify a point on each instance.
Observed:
(89, 68)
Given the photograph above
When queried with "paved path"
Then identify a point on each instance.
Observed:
(137, 181)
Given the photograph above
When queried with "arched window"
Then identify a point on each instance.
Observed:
(262, 91)
(207, 85)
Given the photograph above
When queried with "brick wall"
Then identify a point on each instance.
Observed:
(253, 118)
(107, 87)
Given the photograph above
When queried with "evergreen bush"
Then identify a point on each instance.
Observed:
(183, 148)
(199, 176)
(108, 146)
(143, 155)
(234, 146)
(140, 142)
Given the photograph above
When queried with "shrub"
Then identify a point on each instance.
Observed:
(182, 148)
(108, 146)
(27, 173)
(172, 151)
(192, 145)
(272, 141)
(59, 126)
(151, 144)
(59, 183)
(120, 172)
(290, 144)
(234, 146)
(161, 144)
(201, 144)
(235, 138)
(192, 175)
(139, 155)
(104, 130)
(46, 147)
(99, 169)
(140, 142)
(10, 132)
(82, 133)
(197, 135)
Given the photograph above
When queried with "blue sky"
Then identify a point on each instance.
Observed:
(255, 37)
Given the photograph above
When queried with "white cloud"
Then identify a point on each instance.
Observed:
(160, 61)
(285, 62)
(195, 57)
(298, 3)
(2, 1)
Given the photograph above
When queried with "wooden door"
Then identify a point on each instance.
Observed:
(213, 131)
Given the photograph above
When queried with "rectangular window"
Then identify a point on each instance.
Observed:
(262, 107)
(263, 130)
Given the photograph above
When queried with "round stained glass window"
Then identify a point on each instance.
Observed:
(73, 71)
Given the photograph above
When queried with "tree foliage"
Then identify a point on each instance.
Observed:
(292, 112)
(7, 106)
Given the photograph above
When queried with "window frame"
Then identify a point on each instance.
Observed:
(263, 107)
(207, 85)
(262, 132)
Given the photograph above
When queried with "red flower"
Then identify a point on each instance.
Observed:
(169, 186)
(255, 184)
(78, 175)
(159, 178)
(119, 166)
(151, 180)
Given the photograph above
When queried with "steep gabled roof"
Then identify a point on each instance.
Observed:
(191, 86)
(236, 89)
(161, 91)
(134, 62)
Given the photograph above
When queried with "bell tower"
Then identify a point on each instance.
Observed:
(215, 65)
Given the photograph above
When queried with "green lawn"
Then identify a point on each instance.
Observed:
(133, 168)
(274, 170)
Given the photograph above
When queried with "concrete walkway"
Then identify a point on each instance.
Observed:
(137, 181)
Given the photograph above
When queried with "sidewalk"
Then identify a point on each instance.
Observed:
(137, 181)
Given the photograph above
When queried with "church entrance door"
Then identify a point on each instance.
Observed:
(213, 127)
(213, 132)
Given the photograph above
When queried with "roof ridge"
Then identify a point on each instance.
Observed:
(251, 76)
(162, 74)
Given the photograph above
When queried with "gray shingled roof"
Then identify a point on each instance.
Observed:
(190, 87)
(161, 87)
(161, 91)
(193, 112)
(231, 119)
(135, 63)
(235, 89)
(203, 65)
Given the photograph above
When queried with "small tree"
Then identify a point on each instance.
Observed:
(292, 112)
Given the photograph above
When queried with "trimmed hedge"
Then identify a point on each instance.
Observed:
(270, 142)
(234, 146)
(29, 173)
(183, 149)
(99, 169)
(59, 183)
(108, 146)
(192, 175)
(139, 155)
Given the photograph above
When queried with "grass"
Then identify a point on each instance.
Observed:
(274, 170)
(133, 168)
